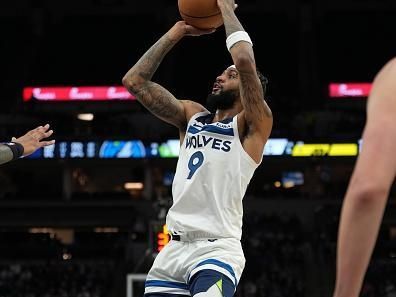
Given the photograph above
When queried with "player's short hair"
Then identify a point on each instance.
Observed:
(263, 80)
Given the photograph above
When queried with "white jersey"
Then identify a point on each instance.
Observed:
(212, 174)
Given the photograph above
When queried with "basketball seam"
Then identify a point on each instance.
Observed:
(200, 17)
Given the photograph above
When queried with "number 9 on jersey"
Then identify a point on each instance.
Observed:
(195, 162)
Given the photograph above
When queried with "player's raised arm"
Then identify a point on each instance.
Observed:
(369, 187)
(154, 97)
(257, 113)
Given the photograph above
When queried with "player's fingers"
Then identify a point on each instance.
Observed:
(43, 128)
(37, 129)
(41, 134)
(48, 133)
(205, 31)
(34, 131)
(47, 143)
(194, 31)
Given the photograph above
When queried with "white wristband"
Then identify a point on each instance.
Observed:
(237, 37)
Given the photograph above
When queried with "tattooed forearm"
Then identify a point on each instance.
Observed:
(233, 25)
(149, 63)
(154, 97)
(231, 22)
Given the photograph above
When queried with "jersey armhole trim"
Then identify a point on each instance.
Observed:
(197, 115)
(244, 152)
(193, 118)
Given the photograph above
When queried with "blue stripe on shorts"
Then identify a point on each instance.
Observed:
(166, 284)
(220, 264)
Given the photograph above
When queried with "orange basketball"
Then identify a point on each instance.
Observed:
(203, 14)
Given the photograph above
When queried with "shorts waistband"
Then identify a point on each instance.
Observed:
(193, 236)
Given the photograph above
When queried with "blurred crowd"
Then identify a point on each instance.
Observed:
(275, 251)
(61, 279)
(283, 259)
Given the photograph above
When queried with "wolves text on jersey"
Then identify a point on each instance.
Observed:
(197, 141)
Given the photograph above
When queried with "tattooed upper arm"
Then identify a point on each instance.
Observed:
(162, 104)
(165, 106)
(191, 108)
(257, 114)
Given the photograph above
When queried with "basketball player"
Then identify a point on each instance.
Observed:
(26, 144)
(369, 187)
(218, 156)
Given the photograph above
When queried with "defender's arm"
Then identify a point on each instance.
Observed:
(369, 187)
(7, 154)
(26, 144)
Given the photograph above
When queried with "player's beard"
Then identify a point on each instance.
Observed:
(222, 100)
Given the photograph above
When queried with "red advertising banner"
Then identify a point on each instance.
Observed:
(343, 90)
(98, 93)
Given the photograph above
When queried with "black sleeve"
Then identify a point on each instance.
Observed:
(10, 151)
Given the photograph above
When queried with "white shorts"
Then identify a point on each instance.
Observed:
(179, 261)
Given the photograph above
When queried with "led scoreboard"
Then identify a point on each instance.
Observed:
(138, 149)
(163, 238)
(160, 236)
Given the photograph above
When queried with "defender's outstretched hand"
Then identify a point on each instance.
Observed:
(32, 140)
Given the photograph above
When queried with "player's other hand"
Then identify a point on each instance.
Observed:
(32, 140)
(189, 30)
